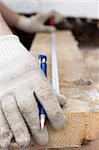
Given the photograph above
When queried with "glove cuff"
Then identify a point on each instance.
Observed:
(9, 46)
(8, 37)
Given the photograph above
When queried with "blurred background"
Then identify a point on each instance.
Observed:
(70, 8)
(82, 17)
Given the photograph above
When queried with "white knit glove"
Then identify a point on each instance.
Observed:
(36, 23)
(19, 78)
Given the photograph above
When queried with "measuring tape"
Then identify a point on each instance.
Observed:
(55, 76)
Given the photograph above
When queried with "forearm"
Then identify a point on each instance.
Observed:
(31, 24)
(9, 15)
(4, 29)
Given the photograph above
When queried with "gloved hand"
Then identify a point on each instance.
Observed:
(20, 76)
(36, 23)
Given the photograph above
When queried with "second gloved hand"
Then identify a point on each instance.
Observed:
(36, 23)
(19, 78)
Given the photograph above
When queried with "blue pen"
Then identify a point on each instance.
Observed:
(43, 66)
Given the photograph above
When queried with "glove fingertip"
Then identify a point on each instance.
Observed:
(60, 123)
(41, 137)
(62, 99)
(5, 140)
(23, 141)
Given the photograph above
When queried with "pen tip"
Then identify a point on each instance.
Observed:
(42, 123)
(42, 128)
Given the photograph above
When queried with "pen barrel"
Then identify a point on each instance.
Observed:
(41, 110)
(44, 68)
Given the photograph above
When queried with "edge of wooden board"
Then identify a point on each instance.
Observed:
(80, 127)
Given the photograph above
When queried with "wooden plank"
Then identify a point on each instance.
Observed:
(91, 55)
(76, 84)
(74, 77)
